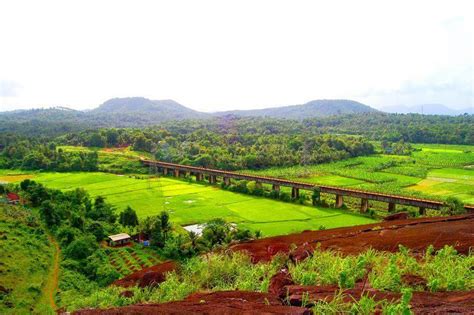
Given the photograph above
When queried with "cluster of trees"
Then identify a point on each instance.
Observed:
(79, 224)
(413, 128)
(41, 154)
(224, 147)
(159, 230)
(397, 148)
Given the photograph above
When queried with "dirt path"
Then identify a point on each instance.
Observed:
(51, 286)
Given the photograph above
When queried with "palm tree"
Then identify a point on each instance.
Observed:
(193, 237)
(165, 224)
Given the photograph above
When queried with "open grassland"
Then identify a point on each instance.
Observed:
(26, 258)
(191, 203)
(435, 171)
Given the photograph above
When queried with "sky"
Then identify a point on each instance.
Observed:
(222, 55)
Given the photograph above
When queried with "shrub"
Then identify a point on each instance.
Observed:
(454, 205)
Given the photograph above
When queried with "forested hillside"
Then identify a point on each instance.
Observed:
(413, 128)
(316, 108)
(234, 143)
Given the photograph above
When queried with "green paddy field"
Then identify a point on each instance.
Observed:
(434, 171)
(190, 203)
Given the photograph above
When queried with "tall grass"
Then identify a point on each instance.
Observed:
(213, 272)
(443, 270)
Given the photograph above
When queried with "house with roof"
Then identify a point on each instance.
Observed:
(119, 239)
(13, 198)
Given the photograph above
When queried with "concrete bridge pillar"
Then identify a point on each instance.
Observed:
(165, 171)
(198, 177)
(212, 179)
(364, 205)
(295, 193)
(422, 211)
(226, 181)
(392, 206)
(339, 201)
(176, 173)
(258, 185)
(276, 187)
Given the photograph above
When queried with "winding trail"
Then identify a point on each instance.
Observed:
(51, 286)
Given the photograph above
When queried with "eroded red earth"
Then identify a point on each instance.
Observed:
(286, 298)
(416, 234)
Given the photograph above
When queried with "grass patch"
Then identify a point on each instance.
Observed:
(25, 260)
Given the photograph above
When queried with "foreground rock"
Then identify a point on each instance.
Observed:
(396, 216)
(151, 276)
(225, 302)
(416, 234)
(278, 283)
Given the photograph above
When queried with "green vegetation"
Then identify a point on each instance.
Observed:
(434, 171)
(26, 258)
(412, 128)
(192, 203)
(254, 146)
(126, 260)
(31, 154)
(442, 270)
(80, 225)
(79, 199)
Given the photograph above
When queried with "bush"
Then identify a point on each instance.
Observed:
(454, 205)
(81, 248)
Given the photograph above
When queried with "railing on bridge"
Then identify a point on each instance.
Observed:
(339, 192)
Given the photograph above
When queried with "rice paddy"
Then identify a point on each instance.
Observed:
(192, 203)
(433, 171)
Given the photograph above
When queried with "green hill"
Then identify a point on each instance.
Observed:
(316, 108)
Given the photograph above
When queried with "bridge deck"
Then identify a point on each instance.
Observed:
(403, 200)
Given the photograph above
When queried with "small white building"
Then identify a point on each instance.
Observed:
(119, 239)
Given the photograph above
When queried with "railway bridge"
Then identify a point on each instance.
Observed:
(213, 175)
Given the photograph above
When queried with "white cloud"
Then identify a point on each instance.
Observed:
(9, 88)
(219, 54)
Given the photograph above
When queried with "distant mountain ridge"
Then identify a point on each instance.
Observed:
(141, 112)
(427, 109)
(316, 108)
(168, 108)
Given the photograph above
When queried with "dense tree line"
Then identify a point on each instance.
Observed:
(35, 154)
(228, 147)
(240, 143)
(413, 128)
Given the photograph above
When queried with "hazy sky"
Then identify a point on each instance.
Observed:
(217, 55)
